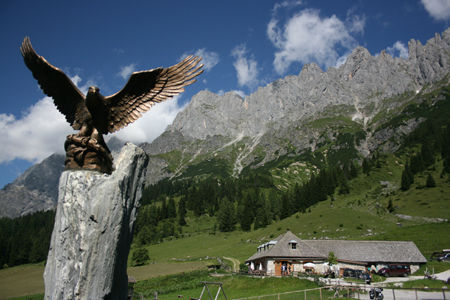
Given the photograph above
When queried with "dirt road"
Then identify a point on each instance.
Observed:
(235, 262)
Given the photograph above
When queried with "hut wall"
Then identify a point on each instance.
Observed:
(270, 267)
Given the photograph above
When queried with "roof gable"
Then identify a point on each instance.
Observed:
(283, 248)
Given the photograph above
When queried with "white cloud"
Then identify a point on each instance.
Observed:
(246, 67)
(209, 58)
(356, 23)
(438, 9)
(40, 132)
(307, 37)
(152, 123)
(398, 49)
(126, 71)
(285, 4)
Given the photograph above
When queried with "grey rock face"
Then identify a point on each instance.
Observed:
(42, 177)
(213, 114)
(35, 190)
(93, 230)
(16, 201)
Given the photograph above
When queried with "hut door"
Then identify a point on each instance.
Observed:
(278, 268)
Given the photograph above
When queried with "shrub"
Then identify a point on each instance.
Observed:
(140, 256)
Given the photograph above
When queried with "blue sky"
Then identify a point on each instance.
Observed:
(245, 44)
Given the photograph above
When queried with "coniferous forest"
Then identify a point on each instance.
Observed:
(25, 239)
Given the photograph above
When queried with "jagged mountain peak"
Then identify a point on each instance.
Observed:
(311, 68)
(358, 55)
(362, 79)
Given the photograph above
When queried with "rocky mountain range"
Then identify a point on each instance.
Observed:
(222, 135)
(300, 112)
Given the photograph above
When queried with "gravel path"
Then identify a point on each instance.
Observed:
(235, 262)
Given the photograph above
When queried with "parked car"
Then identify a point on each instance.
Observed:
(444, 257)
(395, 270)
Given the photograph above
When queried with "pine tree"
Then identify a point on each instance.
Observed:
(446, 149)
(268, 210)
(197, 202)
(430, 181)
(343, 187)
(274, 204)
(446, 165)
(171, 208)
(246, 215)
(366, 166)
(297, 196)
(390, 206)
(163, 213)
(182, 212)
(353, 170)
(226, 216)
(261, 219)
(427, 154)
(405, 183)
(407, 178)
(286, 209)
(416, 164)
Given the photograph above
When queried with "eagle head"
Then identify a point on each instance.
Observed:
(93, 90)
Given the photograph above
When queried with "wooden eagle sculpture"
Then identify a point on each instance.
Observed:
(94, 114)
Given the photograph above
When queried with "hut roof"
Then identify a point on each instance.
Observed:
(370, 251)
(352, 251)
(283, 248)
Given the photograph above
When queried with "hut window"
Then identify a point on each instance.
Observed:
(293, 244)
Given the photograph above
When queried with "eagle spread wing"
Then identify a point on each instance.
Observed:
(146, 88)
(66, 96)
